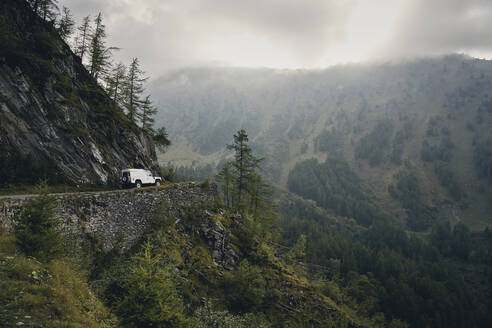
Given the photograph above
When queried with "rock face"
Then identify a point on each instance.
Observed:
(219, 241)
(123, 214)
(54, 113)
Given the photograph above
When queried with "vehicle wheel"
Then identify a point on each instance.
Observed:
(138, 184)
(158, 182)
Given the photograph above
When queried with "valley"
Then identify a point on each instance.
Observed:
(354, 195)
(377, 117)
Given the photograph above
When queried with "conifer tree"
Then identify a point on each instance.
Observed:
(161, 139)
(49, 10)
(99, 54)
(133, 94)
(225, 178)
(115, 83)
(151, 298)
(259, 193)
(146, 115)
(82, 45)
(66, 24)
(36, 230)
(244, 165)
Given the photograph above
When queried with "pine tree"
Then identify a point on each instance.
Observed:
(115, 84)
(148, 110)
(244, 165)
(151, 298)
(82, 45)
(49, 10)
(99, 54)
(259, 193)
(36, 230)
(161, 139)
(225, 178)
(133, 94)
(66, 24)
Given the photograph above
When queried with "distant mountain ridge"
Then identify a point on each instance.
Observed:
(431, 116)
(55, 121)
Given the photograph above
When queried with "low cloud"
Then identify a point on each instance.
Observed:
(172, 33)
(167, 34)
(433, 27)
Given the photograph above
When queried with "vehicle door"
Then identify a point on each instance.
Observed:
(149, 178)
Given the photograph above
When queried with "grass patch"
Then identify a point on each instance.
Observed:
(45, 295)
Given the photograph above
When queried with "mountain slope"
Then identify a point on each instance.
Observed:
(430, 117)
(217, 264)
(55, 121)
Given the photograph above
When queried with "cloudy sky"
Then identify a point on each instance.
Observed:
(166, 34)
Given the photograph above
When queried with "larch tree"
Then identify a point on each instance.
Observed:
(99, 53)
(161, 139)
(83, 38)
(244, 165)
(259, 193)
(151, 297)
(66, 24)
(226, 179)
(36, 229)
(134, 90)
(115, 83)
(146, 115)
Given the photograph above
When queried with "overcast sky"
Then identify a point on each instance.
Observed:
(167, 34)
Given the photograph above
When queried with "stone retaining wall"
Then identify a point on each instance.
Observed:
(126, 213)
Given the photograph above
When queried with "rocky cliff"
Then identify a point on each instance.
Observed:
(54, 118)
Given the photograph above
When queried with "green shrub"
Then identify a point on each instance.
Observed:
(245, 287)
(36, 230)
(150, 298)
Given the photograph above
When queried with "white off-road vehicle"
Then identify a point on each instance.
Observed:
(139, 177)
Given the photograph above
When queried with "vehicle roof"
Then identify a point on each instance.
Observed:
(134, 170)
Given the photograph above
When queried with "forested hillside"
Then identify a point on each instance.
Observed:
(422, 124)
(382, 172)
